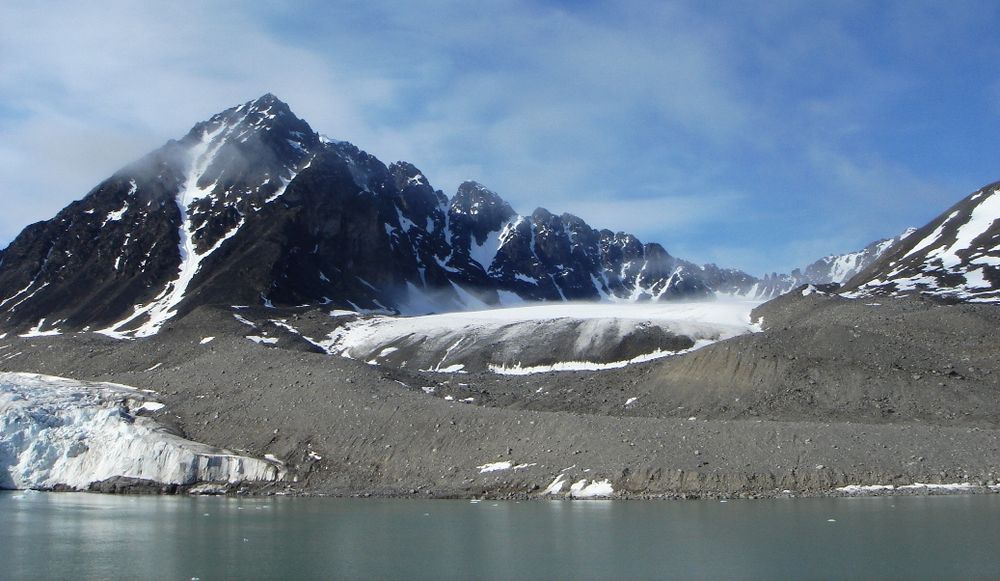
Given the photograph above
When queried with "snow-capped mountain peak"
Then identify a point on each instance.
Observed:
(954, 257)
(235, 164)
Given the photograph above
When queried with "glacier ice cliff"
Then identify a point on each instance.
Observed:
(58, 433)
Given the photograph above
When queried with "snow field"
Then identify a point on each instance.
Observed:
(596, 326)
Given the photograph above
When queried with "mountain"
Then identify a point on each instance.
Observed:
(956, 257)
(832, 269)
(839, 268)
(254, 207)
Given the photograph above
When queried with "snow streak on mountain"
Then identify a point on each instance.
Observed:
(841, 268)
(955, 257)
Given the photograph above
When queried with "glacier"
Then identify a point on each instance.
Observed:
(58, 433)
(539, 338)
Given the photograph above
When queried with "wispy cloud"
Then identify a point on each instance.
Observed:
(92, 88)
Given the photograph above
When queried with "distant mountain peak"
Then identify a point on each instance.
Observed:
(264, 114)
(472, 187)
(473, 198)
(407, 175)
(267, 100)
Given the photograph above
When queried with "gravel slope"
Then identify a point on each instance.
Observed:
(827, 396)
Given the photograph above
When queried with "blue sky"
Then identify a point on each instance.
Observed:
(760, 135)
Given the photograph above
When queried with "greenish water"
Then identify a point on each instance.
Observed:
(83, 536)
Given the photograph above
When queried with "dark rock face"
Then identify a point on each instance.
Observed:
(133, 249)
(956, 257)
(110, 249)
(253, 207)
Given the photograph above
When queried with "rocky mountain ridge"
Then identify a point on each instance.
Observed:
(253, 207)
(955, 257)
(838, 269)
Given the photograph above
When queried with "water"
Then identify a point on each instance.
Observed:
(83, 536)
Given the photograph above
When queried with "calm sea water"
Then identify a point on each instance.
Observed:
(84, 536)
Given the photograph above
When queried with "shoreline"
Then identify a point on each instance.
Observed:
(957, 489)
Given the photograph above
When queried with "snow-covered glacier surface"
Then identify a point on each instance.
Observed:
(57, 432)
(540, 338)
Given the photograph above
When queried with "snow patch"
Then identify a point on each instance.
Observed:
(980, 220)
(116, 215)
(865, 489)
(456, 368)
(874, 488)
(932, 237)
(517, 369)
(486, 252)
(556, 486)
(36, 331)
(494, 467)
(244, 320)
(596, 489)
(953, 487)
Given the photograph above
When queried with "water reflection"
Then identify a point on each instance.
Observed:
(95, 536)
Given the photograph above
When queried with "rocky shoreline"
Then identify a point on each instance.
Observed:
(129, 486)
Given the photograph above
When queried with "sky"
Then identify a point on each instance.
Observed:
(756, 135)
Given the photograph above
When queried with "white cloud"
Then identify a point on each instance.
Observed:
(678, 119)
(868, 180)
(93, 88)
